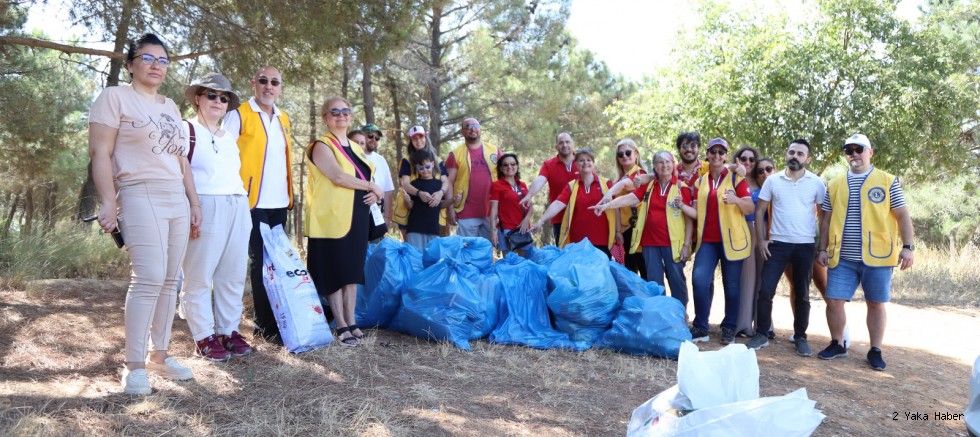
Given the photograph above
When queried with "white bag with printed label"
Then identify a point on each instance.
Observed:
(292, 295)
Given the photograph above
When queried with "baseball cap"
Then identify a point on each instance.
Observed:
(371, 127)
(858, 139)
(718, 142)
(416, 130)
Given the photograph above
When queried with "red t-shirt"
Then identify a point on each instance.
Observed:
(584, 221)
(712, 225)
(558, 176)
(508, 203)
(655, 233)
(475, 205)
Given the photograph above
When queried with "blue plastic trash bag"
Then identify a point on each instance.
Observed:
(475, 251)
(488, 288)
(442, 303)
(388, 272)
(583, 295)
(648, 326)
(524, 318)
(543, 256)
(630, 284)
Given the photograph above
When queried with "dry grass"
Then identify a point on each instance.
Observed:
(940, 278)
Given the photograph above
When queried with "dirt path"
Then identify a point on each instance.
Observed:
(61, 345)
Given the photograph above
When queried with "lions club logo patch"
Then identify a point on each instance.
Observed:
(493, 158)
(876, 195)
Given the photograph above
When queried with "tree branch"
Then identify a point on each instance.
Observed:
(70, 49)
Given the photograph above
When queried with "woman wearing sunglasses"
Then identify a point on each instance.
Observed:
(139, 165)
(337, 217)
(746, 158)
(628, 167)
(579, 195)
(507, 216)
(407, 173)
(217, 256)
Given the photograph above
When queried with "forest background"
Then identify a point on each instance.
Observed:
(747, 71)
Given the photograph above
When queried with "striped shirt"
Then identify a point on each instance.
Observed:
(850, 248)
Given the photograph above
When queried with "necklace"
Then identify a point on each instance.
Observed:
(213, 145)
(663, 189)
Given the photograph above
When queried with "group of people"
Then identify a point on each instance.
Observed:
(186, 193)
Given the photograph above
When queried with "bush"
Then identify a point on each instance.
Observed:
(944, 212)
(68, 251)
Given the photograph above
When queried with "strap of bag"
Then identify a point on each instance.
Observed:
(192, 140)
(336, 144)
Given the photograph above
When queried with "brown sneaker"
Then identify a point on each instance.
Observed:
(236, 344)
(211, 349)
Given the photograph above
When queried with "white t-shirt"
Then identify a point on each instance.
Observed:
(382, 173)
(273, 192)
(793, 203)
(215, 164)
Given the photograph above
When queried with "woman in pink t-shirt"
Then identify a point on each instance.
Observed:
(138, 150)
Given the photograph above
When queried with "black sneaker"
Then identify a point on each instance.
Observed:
(727, 336)
(757, 342)
(698, 335)
(835, 350)
(802, 348)
(771, 334)
(875, 360)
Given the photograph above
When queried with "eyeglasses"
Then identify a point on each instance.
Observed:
(718, 152)
(424, 167)
(212, 95)
(340, 112)
(691, 146)
(264, 80)
(149, 59)
(624, 154)
(852, 150)
(370, 136)
(745, 158)
(762, 170)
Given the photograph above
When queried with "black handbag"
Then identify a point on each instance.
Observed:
(376, 231)
(517, 240)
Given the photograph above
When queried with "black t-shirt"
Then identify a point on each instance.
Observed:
(423, 218)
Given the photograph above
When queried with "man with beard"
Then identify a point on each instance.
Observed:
(862, 216)
(471, 169)
(793, 194)
(690, 167)
(557, 172)
(262, 132)
(382, 173)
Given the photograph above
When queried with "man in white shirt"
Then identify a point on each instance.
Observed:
(794, 194)
(382, 173)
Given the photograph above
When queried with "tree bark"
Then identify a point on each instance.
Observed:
(434, 83)
(10, 215)
(397, 116)
(366, 78)
(50, 202)
(345, 77)
(28, 228)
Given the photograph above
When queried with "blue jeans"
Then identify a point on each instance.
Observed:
(659, 261)
(707, 258)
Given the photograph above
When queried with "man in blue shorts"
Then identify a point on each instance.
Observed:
(862, 215)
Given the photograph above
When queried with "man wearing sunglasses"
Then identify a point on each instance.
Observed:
(262, 131)
(793, 194)
(471, 169)
(382, 173)
(863, 214)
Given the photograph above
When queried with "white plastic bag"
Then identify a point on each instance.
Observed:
(786, 416)
(655, 416)
(717, 377)
(972, 413)
(294, 301)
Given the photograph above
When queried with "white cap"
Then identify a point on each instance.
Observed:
(416, 130)
(858, 139)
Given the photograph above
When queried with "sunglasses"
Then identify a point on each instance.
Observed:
(717, 152)
(340, 112)
(744, 158)
(762, 170)
(264, 80)
(424, 167)
(472, 126)
(212, 95)
(372, 137)
(854, 149)
(624, 154)
(149, 59)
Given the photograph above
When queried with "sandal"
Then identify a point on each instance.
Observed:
(349, 341)
(352, 328)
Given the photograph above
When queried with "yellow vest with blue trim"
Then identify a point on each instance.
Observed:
(566, 221)
(675, 219)
(879, 228)
(735, 236)
(463, 166)
(253, 141)
(626, 212)
(399, 212)
(329, 208)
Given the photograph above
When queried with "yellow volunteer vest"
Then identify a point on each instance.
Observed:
(462, 183)
(626, 213)
(329, 208)
(675, 220)
(252, 143)
(566, 221)
(879, 228)
(735, 235)
(399, 213)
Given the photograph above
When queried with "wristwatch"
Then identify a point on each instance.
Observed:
(908, 246)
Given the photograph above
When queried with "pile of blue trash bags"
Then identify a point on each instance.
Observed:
(573, 298)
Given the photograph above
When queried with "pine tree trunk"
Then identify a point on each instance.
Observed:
(366, 79)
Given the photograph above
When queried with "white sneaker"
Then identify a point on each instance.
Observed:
(170, 369)
(135, 382)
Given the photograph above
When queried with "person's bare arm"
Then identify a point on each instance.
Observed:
(101, 143)
(906, 257)
(191, 191)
